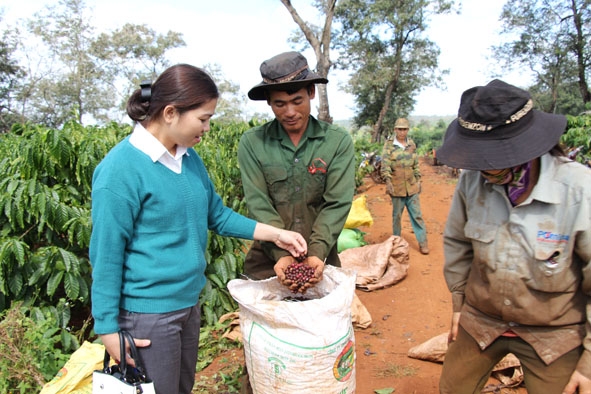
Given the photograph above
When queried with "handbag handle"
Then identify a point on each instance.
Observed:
(139, 374)
(139, 369)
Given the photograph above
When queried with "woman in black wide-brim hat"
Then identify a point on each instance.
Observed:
(517, 246)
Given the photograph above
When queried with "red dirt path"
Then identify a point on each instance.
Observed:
(415, 309)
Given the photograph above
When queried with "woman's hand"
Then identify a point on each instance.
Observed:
(291, 241)
(111, 342)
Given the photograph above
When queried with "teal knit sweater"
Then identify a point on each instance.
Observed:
(149, 235)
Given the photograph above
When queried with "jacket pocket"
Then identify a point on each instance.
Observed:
(551, 271)
(315, 188)
(277, 184)
(482, 236)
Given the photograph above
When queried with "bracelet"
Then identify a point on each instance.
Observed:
(278, 235)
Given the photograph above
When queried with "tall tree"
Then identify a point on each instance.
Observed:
(383, 42)
(131, 54)
(73, 73)
(551, 38)
(231, 101)
(10, 72)
(77, 87)
(319, 39)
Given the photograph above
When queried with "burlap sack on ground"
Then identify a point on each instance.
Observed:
(378, 265)
(360, 316)
(508, 371)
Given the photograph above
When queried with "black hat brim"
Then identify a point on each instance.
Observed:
(483, 151)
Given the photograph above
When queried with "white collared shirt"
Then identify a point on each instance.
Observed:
(147, 143)
(400, 144)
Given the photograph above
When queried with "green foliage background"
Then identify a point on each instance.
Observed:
(45, 227)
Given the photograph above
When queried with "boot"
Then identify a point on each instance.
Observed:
(424, 248)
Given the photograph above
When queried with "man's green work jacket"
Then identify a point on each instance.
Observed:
(308, 188)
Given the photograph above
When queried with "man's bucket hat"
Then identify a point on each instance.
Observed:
(286, 71)
(402, 123)
(498, 128)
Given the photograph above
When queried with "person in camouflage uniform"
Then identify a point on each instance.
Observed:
(400, 170)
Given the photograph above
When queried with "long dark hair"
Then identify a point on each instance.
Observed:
(183, 86)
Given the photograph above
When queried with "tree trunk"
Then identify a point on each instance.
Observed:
(377, 128)
(321, 46)
(580, 53)
(323, 108)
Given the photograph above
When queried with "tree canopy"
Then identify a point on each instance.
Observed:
(55, 66)
(552, 40)
(384, 42)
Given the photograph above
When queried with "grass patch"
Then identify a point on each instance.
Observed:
(396, 371)
(226, 380)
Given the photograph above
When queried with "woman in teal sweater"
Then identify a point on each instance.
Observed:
(152, 207)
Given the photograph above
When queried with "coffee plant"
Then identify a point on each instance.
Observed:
(225, 255)
(45, 210)
(577, 138)
(45, 223)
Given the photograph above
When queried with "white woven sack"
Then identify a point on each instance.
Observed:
(305, 347)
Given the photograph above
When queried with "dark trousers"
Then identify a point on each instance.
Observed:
(171, 359)
(466, 367)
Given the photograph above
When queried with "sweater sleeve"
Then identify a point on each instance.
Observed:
(112, 228)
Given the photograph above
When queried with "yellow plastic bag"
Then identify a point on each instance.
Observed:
(75, 377)
(359, 215)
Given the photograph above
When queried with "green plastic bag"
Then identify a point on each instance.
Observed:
(350, 238)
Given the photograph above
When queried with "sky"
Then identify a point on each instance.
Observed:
(239, 34)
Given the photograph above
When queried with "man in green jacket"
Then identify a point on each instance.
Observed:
(298, 172)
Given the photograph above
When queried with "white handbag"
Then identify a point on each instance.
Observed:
(122, 378)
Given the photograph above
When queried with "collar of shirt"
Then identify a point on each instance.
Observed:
(147, 143)
(547, 189)
(313, 130)
(398, 143)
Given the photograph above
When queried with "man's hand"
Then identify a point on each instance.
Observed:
(111, 342)
(280, 267)
(311, 261)
(389, 187)
(318, 266)
(455, 324)
(578, 381)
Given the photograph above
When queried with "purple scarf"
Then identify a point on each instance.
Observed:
(516, 180)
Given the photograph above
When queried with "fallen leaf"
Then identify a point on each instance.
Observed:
(368, 352)
(385, 391)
